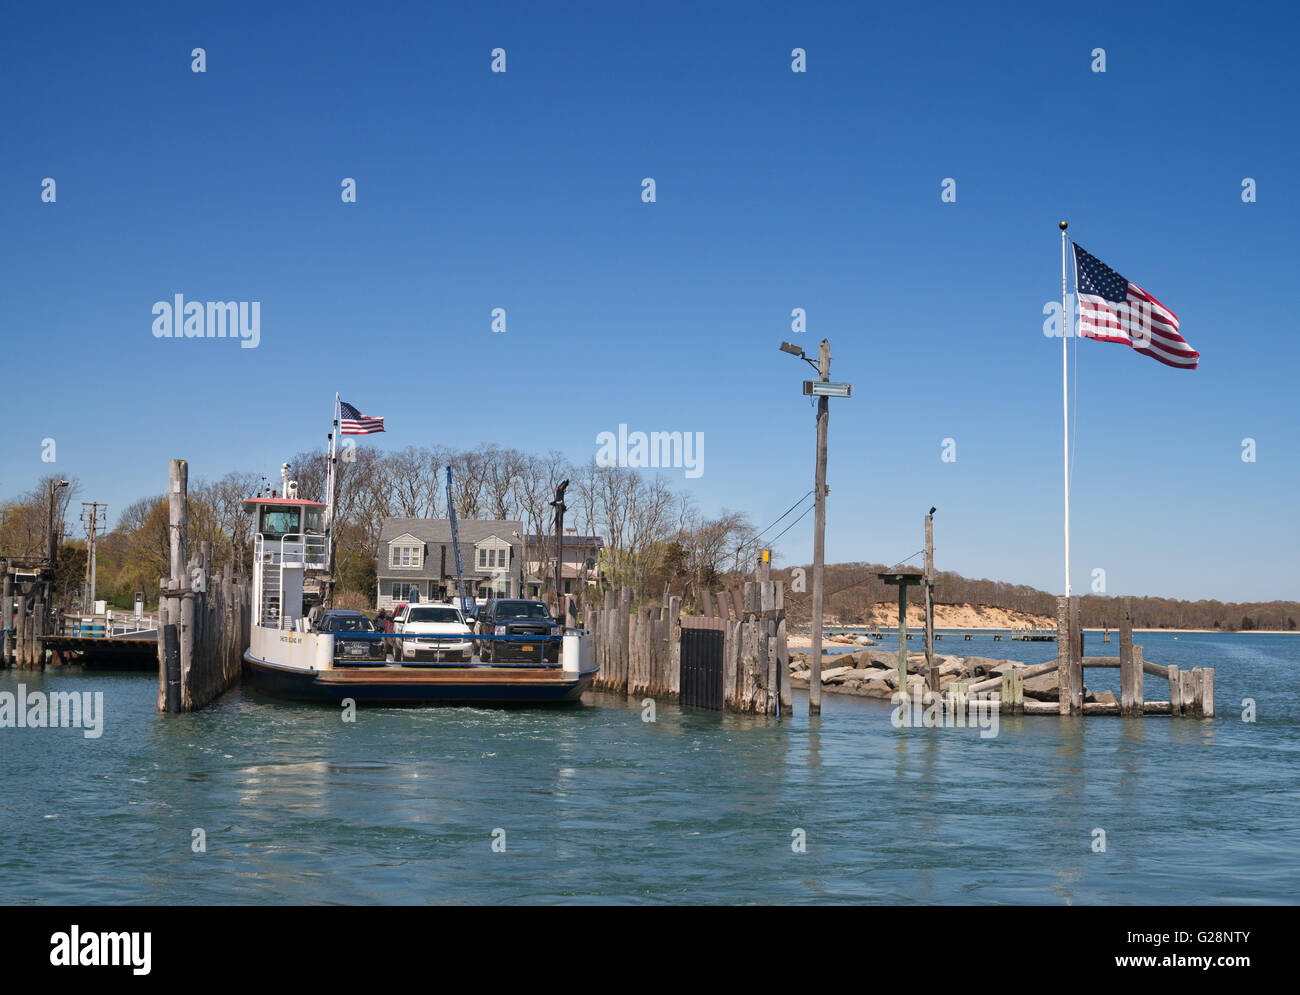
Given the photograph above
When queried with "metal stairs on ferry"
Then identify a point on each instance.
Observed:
(271, 594)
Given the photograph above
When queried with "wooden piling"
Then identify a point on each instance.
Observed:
(1188, 680)
(1064, 671)
(958, 694)
(1130, 658)
(723, 604)
(7, 618)
(785, 696)
(673, 688)
(731, 680)
(37, 661)
(22, 627)
(203, 622)
(1012, 695)
(1175, 691)
(604, 644)
(1076, 658)
(622, 637)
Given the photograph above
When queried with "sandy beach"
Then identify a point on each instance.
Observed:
(804, 639)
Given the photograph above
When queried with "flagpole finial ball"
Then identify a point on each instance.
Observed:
(1065, 225)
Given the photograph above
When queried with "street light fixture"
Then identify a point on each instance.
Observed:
(815, 388)
(795, 350)
(823, 390)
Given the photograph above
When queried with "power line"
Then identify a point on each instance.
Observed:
(794, 523)
(758, 536)
(786, 512)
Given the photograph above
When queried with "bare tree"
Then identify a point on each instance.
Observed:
(413, 476)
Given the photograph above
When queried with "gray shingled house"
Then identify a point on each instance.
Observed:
(417, 561)
(581, 565)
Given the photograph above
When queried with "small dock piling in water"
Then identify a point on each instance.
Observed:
(203, 624)
(1191, 693)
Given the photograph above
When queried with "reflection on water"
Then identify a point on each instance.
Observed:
(598, 805)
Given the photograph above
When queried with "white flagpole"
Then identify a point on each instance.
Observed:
(329, 467)
(331, 481)
(1066, 329)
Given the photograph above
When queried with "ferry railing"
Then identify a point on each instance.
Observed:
(292, 550)
(107, 626)
(295, 549)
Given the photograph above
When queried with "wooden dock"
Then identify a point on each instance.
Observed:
(1191, 693)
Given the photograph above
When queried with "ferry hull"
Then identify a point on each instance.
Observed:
(394, 685)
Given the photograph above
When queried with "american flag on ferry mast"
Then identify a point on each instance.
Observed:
(1112, 309)
(353, 422)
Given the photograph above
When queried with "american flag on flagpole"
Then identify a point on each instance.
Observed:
(353, 422)
(1112, 309)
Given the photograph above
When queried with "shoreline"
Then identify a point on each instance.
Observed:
(803, 639)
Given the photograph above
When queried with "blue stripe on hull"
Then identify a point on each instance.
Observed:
(305, 686)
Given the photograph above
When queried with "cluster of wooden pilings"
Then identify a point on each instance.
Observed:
(639, 652)
(1191, 693)
(23, 615)
(203, 623)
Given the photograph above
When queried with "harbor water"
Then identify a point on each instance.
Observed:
(293, 804)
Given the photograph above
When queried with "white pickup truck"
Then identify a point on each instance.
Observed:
(414, 629)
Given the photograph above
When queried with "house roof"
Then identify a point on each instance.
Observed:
(438, 530)
(569, 540)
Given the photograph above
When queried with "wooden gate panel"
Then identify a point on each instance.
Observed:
(701, 668)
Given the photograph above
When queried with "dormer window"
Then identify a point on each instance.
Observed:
(408, 555)
(493, 553)
(493, 559)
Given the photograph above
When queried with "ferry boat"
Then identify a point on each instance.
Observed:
(289, 657)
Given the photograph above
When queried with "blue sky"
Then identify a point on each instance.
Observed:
(775, 190)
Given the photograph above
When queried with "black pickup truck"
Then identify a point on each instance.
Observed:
(514, 617)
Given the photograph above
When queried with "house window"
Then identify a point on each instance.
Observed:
(405, 592)
(493, 559)
(404, 556)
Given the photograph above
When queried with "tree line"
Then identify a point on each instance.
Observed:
(656, 541)
(852, 589)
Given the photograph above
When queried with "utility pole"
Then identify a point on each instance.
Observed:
(92, 516)
(823, 390)
(819, 531)
(929, 602)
